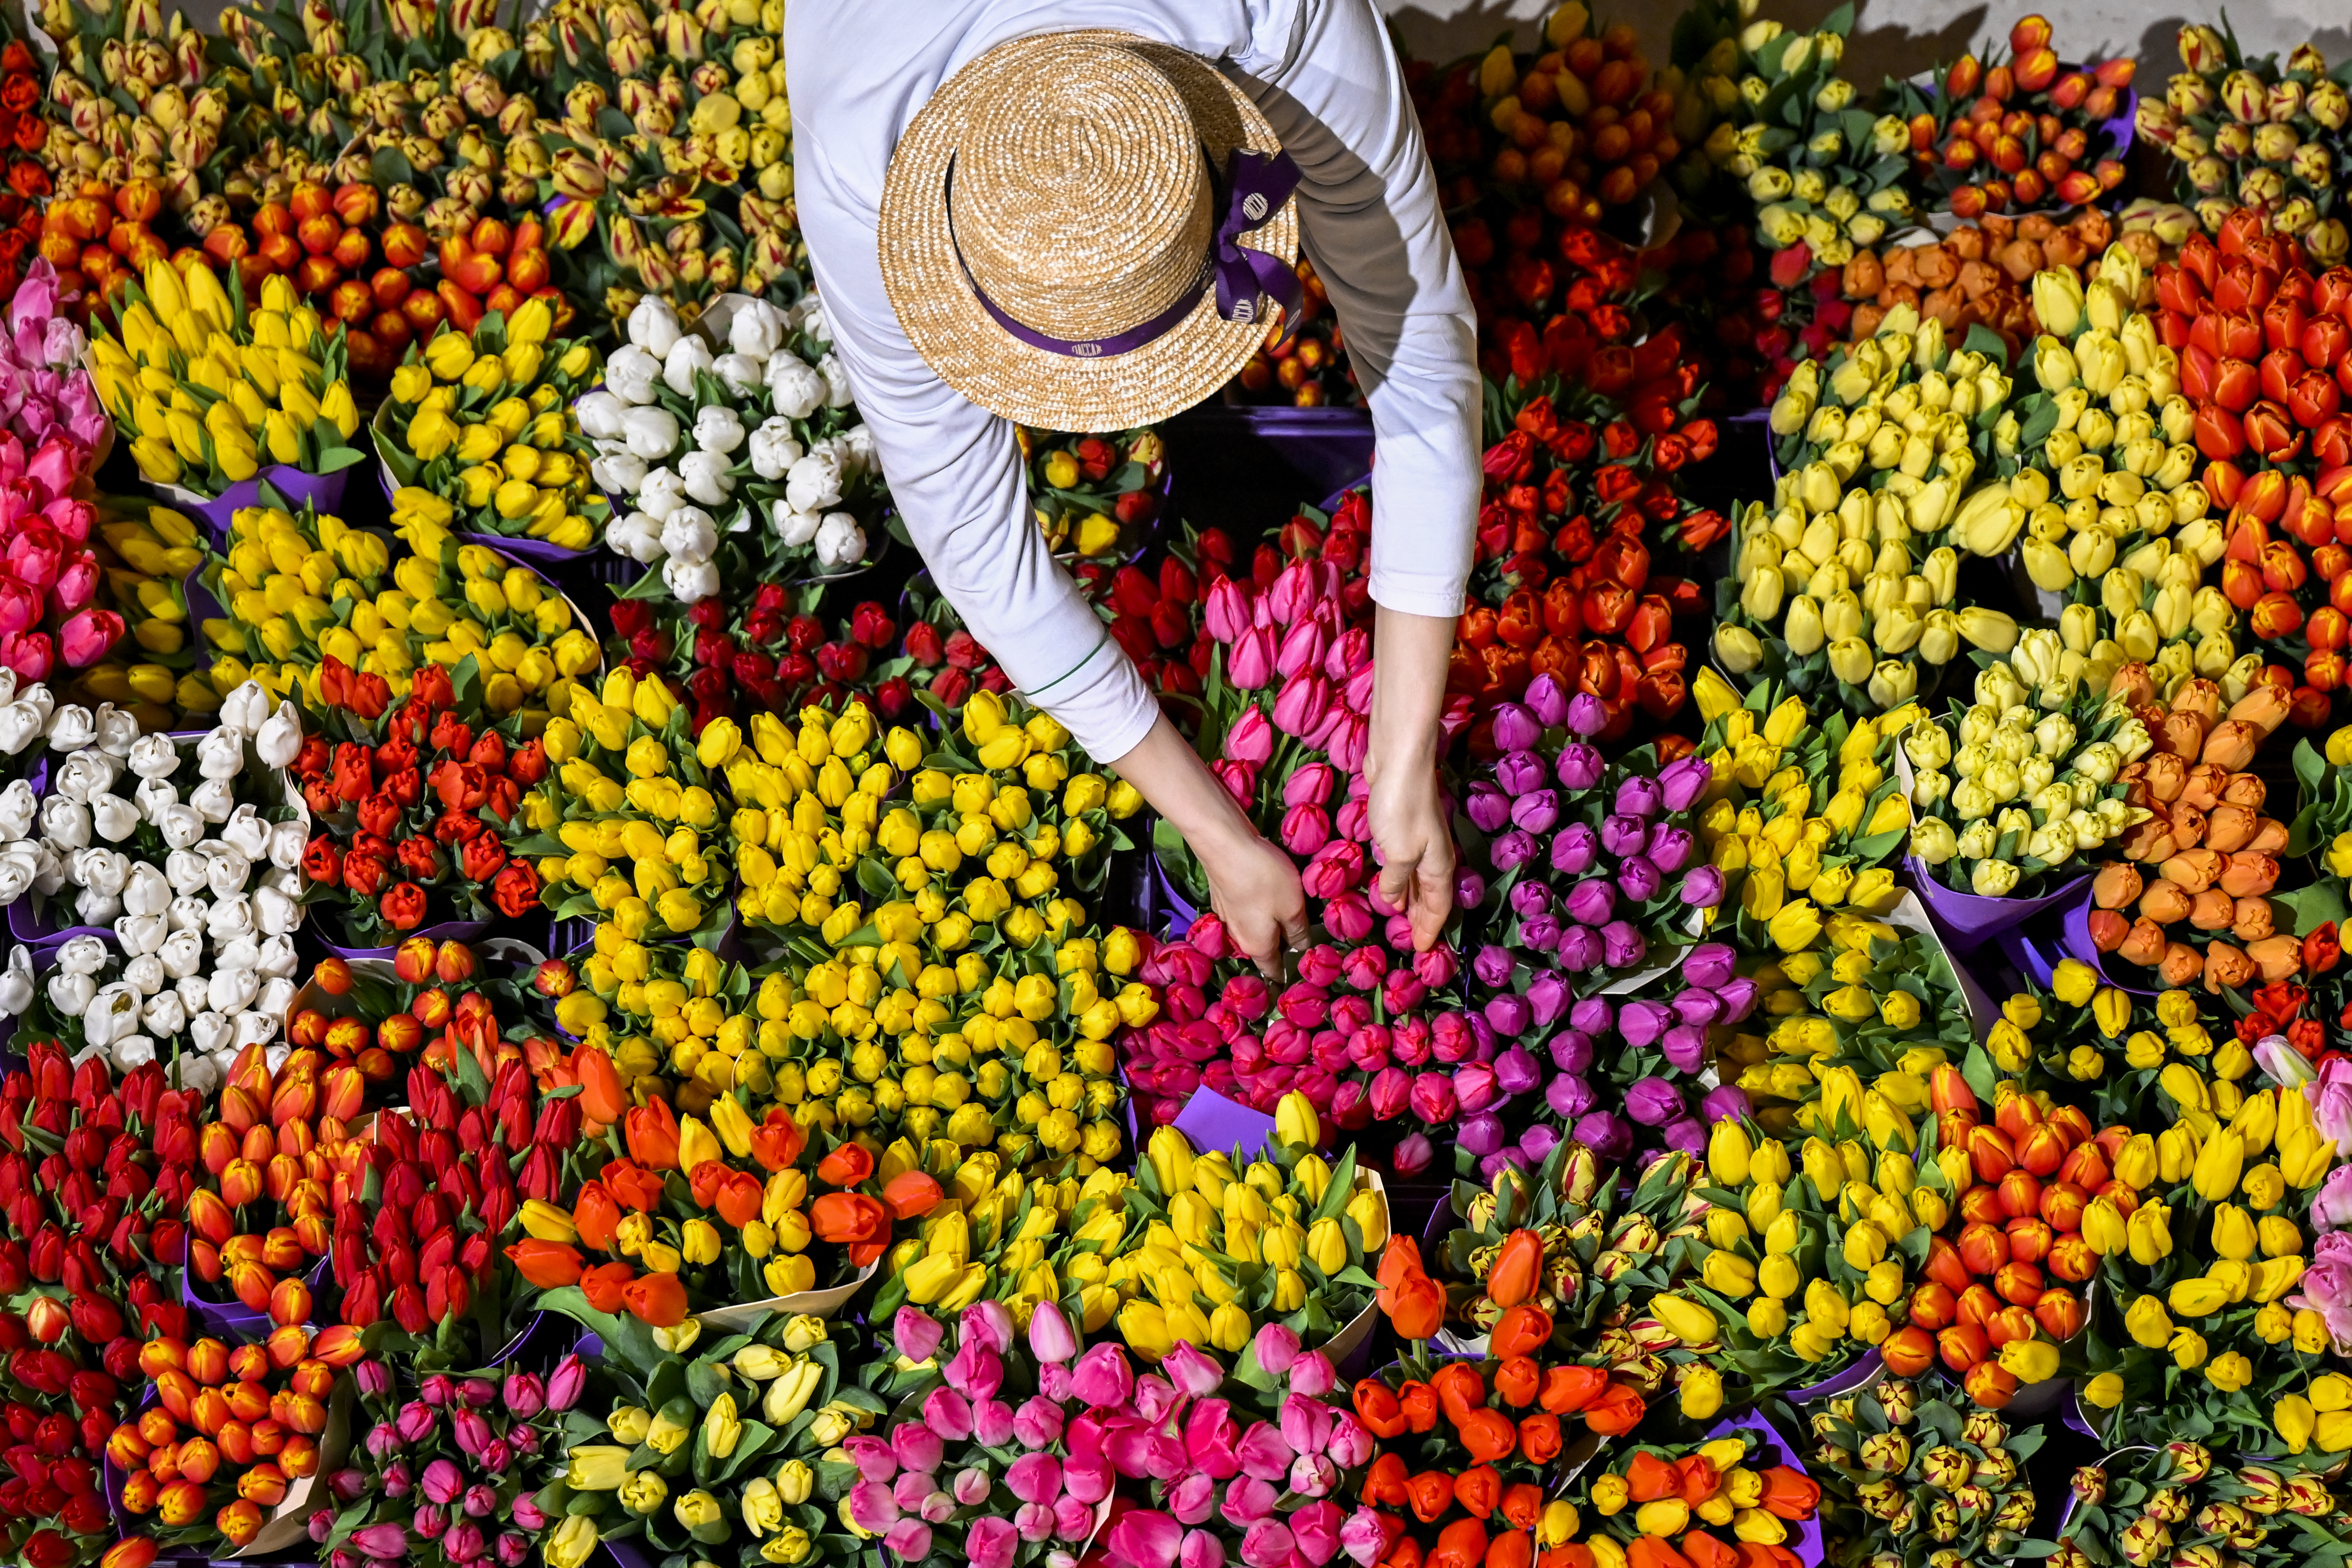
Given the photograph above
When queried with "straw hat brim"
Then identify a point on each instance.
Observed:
(953, 331)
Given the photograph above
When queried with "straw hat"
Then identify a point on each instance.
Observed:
(1062, 230)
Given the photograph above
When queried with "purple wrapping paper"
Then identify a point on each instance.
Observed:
(1808, 1532)
(1968, 921)
(323, 490)
(231, 1320)
(2123, 976)
(1212, 1123)
(630, 1554)
(446, 930)
(1167, 900)
(1860, 1373)
(2035, 957)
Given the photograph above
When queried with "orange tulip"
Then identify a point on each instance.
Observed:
(602, 1285)
(601, 1099)
(1705, 1551)
(209, 1217)
(657, 1299)
(1789, 1494)
(1518, 1265)
(1617, 1411)
(1377, 1409)
(1420, 1403)
(182, 1502)
(846, 1217)
(264, 1484)
(1523, 1504)
(1385, 1482)
(1649, 1552)
(1478, 1490)
(198, 1459)
(338, 1345)
(1459, 1388)
(740, 1196)
(1517, 1380)
(1488, 1435)
(778, 1141)
(134, 1551)
(240, 1521)
(911, 1194)
(1569, 1389)
(1462, 1544)
(596, 1215)
(634, 1185)
(1649, 1478)
(1522, 1331)
(1400, 1257)
(289, 1303)
(1514, 1548)
(652, 1130)
(846, 1166)
(1539, 1438)
(1432, 1492)
(546, 1265)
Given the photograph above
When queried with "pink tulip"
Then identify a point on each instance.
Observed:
(1264, 1453)
(1301, 647)
(1250, 665)
(1200, 1550)
(1072, 1521)
(916, 1446)
(1102, 1376)
(1309, 784)
(1195, 1374)
(1305, 829)
(1364, 1538)
(1034, 1522)
(1239, 778)
(20, 606)
(991, 1542)
(1209, 1434)
(1088, 1476)
(1154, 1397)
(1347, 917)
(947, 1413)
(29, 653)
(1249, 1499)
(1350, 651)
(1336, 868)
(1316, 1529)
(871, 1507)
(1034, 1477)
(1293, 593)
(1226, 611)
(991, 1422)
(1268, 1544)
(874, 1456)
(1313, 1375)
(1349, 741)
(1193, 1498)
(1143, 1539)
(1050, 1337)
(909, 1539)
(76, 581)
(990, 1323)
(1350, 1445)
(1306, 1423)
(975, 1371)
(1303, 704)
(1251, 739)
(918, 1334)
(911, 1490)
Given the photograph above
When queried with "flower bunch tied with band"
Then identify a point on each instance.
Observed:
(700, 1439)
(737, 428)
(1727, 1502)
(404, 797)
(1219, 1242)
(1914, 1478)
(480, 433)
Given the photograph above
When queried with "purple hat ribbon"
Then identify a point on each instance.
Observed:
(1253, 193)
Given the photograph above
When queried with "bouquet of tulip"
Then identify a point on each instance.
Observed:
(2215, 853)
(1281, 1239)
(1823, 1256)
(990, 1234)
(42, 384)
(1830, 574)
(2065, 770)
(480, 434)
(146, 552)
(1874, 999)
(64, 227)
(1655, 1500)
(2148, 1502)
(667, 986)
(2125, 1047)
(2025, 128)
(1978, 274)
(276, 581)
(385, 844)
(757, 436)
(1774, 811)
(688, 1459)
(263, 384)
(1911, 1478)
(1154, 618)
(2252, 134)
(1561, 1240)
(50, 579)
(369, 1019)
(448, 1473)
(248, 1416)
(585, 816)
(2220, 1311)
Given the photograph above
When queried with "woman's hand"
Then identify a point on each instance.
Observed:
(1408, 812)
(1253, 886)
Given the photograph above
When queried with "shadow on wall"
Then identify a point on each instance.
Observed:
(1905, 40)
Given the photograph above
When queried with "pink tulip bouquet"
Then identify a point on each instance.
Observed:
(44, 393)
(1255, 1466)
(49, 575)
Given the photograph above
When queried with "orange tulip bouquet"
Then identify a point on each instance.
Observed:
(1735, 1500)
(684, 1214)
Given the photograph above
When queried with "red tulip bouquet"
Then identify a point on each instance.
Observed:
(438, 1003)
(405, 795)
(2024, 130)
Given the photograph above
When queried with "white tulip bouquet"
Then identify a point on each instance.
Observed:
(196, 869)
(735, 434)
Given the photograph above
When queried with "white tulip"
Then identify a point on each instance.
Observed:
(145, 973)
(70, 993)
(21, 723)
(51, 877)
(246, 833)
(773, 449)
(229, 917)
(813, 483)
(213, 799)
(227, 870)
(211, 1033)
(794, 387)
(244, 708)
(636, 536)
(154, 757)
(837, 392)
(147, 892)
(103, 872)
(187, 914)
(795, 526)
(17, 870)
(220, 753)
(757, 330)
(277, 996)
(86, 773)
(233, 990)
(618, 473)
(239, 952)
(184, 870)
(654, 325)
(274, 912)
(689, 535)
(704, 474)
(141, 933)
(740, 373)
(651, 432)
(9, 685)
(132, 1052)
(663, 493)
(632, 375)
(155, 798)
(287, 841)
(18, 807)
(280, 740)
(599, 412)
(687, 358)
(165, 1014)
(113, 819)
(717, 430)
(690, 579)
(839, 540)
(112, 1009)
(255, 1028)
(71, 728)
(116, 730)
(182, 954)
(96, 909)
(17, 990)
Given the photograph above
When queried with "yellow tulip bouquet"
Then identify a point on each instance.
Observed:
(1847, 585)
(147, 552)
(696, 1441)
(628, 828)
(479, 435)
(1864, 1000)
(674, 1015)
(2203, 1268)
(1812, 1263)
(1224, 1243)
(2119, 1055)
(208, 392)
(1795, 813)
(1003, 1234)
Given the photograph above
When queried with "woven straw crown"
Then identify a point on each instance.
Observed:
(1069, 178)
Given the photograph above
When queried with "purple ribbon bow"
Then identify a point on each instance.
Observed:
(1252, 195)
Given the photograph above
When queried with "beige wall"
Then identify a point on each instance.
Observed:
(1901, 38)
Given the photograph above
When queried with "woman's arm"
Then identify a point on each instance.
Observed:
(1408, 810)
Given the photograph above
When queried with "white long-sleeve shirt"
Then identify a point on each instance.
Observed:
(1324, 75)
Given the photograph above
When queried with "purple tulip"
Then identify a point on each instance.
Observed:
(1540, 932)
(1547, 702)
(1702, 887)
(1642, 1022)
(1520, 772)
(1623, 836)
(1572, 1051)
(1488, 807)
(382, 1439)
(1492, 966)
(398, 1479)
(1547, 997)
(1669, 848)
(1688, 1134)
(1529, 898)
(1592, 1014)
(1681, 783)
(1579, 767)
(321, 1525)
(1638, 796)
(1621, 946)
(1512, 850)
(1639, 880)
(1652, 1101)
(1592, 902)
(1516, 1070)
(1492, 1167)
(1536, 811)
(1538, 1143)
(1586, 715)
(566, 1383)
(1515, 729)
(1568, 1096)
(1574, 849)
(1699, 1007)
(347, 1484)
(1414, 1153)
(416, 1422)
(1738, 996)
(1580, 949)
(1729, 1103)
(1606, 1134)
(1708, 965)
(1469, 888)
(1481, 1134)
(1686, 1047)
(1507, 1013)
